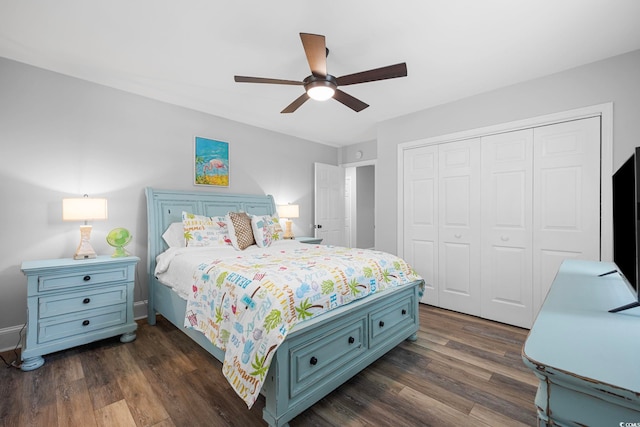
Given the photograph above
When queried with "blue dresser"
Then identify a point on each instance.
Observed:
(73, 302)
(587, 359)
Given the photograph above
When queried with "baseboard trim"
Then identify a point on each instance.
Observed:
(140, 310)
(9, 337)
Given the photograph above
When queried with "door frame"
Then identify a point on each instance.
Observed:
(604, 111)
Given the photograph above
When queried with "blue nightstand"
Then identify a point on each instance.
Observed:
(310, 240)
(73, 302)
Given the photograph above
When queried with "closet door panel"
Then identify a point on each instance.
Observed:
(421, 216)
(459, 226)
(506, 282)
(566, 198)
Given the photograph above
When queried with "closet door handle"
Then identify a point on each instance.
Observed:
(504, 238)
(457, 235)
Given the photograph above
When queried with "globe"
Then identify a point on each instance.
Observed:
(119, 238)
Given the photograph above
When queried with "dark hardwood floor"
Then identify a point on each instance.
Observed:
(461, 371)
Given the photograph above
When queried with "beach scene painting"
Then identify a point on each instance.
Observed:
(211, 166)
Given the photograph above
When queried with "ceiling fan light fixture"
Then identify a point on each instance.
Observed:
(320, 90)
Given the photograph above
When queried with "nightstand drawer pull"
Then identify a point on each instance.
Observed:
(86, 300)
(313, 361)
(381, 324)
(404, 311)
(352, 340)
(85, 323)
(86, 278)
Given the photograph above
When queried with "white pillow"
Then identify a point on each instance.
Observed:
(200, 231)
(174, 235)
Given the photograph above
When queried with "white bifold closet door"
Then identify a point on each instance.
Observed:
(541, 205)
(442, 222)
(459, 226)
(420, 216)
(507, 227)
(487, 221)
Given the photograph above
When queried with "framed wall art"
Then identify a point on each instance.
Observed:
(211, 162)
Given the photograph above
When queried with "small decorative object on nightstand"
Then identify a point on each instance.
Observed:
(310, 240)
(119, 238)
(71, 303)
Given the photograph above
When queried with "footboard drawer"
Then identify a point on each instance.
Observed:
(321, 357)
(390, 319)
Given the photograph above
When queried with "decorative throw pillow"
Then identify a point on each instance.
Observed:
(266, 229)
(202, 230)
(240, 232)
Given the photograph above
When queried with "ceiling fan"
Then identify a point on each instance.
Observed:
(320, 85)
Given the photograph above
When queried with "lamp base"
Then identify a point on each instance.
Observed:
(288, 234)
(85, 251)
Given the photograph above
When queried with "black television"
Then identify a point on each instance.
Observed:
(626, 225)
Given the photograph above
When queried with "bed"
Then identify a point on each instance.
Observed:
(318, 354)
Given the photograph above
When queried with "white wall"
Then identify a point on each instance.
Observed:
(613, 80)
(61, 137)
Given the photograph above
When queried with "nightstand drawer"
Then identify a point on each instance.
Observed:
(321, 359)
(54, 305)
(85, 277)
(81, 323)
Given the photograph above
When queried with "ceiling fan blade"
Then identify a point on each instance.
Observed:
(383, 73)
(354, 103)
(316, 51)
(244, 79)
(296, 104)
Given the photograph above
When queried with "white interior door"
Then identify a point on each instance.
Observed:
(420, 216)
(507, 227)
(329, 204)
(566, 198)
(459, 226)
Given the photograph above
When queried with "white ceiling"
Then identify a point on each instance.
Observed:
(186, 52)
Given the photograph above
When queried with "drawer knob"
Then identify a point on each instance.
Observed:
(86, 300)
(404, 311)
(85, 323)
(86, 278)
(352, 340)
(381, 324)
(313, 360)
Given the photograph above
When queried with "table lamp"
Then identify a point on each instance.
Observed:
(84, 209)
(287, 212)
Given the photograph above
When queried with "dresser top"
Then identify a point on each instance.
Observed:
(574, 332)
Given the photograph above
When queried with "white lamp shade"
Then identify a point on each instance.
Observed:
(288, 211)
(84, 209)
